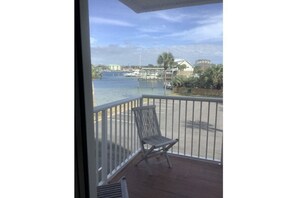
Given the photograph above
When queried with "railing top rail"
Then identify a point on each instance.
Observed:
(188, 98)
(115, 103)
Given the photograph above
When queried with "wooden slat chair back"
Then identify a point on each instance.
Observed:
(146, 121)
(149, 133)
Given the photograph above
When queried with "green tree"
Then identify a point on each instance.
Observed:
(179, 81)
(166, 60)
(96, 72)
(217, 76)
(181, 67)
(209, 78)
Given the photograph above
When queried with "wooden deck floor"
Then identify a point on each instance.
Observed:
(188, 178)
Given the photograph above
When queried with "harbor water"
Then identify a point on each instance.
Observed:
(115, 86)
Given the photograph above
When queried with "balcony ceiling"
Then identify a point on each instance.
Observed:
(153, 5)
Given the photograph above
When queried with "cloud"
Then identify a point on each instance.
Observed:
(210, 19)
(170, 17)
(99, 20)
(194, 27)
(190, 35)
(114, 54)
(93, 41)
(181, 17)
(205, 30)
(156, 29)
(201, 34)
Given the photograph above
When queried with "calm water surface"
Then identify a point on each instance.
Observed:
(115, 86)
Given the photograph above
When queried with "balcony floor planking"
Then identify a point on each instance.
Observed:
(188, 178)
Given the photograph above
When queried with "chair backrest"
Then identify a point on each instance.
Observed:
(146, 121)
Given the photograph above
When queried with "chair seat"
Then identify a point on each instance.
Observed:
(158, 141)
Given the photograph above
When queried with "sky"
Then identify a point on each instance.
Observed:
(120, 36)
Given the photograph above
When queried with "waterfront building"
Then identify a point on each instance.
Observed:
(187, 71)
(189, 67)
(114, 67)
(203, 63)
(151, 73)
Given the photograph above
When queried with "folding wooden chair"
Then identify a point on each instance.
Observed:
(150, 134)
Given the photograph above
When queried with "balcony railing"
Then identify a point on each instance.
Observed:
(197, 122)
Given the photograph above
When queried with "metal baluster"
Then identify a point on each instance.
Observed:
(215, 132)
(185, 134)
(116, 136)
(124, 132)
(110, 140)
(120, 137)
(193, 112)
(104, 146)
(166, 107)
(199, 139)
(133, 125)
(97, 149)
(172, 122)
(128, 128)
(138, 103)
(178, 125)
(160, 111)
(207, 131)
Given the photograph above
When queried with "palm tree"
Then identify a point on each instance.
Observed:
(217, 76)
(165, 59)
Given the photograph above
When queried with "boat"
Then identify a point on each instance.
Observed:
(149, 76)
(168, 85)
(132, 74)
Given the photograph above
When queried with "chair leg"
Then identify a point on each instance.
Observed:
(145, 158)
(165, 149)
(168, 160)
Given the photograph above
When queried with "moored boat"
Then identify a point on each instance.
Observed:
(132, 74)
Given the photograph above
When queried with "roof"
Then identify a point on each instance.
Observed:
(178, 61)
